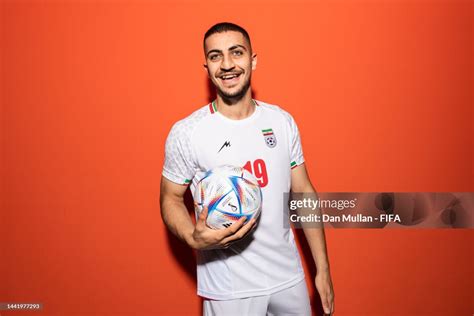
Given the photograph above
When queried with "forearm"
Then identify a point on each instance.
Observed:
(176, 217)
(317, 243)
(314, 232)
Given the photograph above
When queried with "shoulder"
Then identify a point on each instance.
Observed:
(193, 119)
(277, 111)
(185, 126)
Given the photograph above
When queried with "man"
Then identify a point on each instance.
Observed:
(245, 269)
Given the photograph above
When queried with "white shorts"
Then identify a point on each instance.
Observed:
(291, 301)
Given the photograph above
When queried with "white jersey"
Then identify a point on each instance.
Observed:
(266, 143)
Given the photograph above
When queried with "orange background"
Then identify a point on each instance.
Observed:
(381, 91)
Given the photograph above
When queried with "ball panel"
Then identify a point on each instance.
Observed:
(230, 193)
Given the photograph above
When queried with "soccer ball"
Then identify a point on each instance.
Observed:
(229, 192)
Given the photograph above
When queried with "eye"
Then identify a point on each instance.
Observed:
(237, 52)
(214, 57)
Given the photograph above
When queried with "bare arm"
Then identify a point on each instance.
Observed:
(177, 219)
(174, 212)
(301, 183)
(315, 236)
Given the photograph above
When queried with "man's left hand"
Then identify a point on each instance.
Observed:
(324, 286)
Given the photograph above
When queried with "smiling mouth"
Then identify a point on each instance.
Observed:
(230, 79)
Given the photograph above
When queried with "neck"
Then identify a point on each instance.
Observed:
(236, 109)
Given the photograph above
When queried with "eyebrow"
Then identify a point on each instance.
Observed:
(230, 49)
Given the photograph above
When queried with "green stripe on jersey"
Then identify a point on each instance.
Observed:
(267, 130)
(293, 163)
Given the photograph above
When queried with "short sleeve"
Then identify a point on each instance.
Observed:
(179, 165)
(296, 150)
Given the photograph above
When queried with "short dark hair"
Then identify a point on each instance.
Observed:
(224, 27)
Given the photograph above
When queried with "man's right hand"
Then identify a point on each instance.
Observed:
(204, 237)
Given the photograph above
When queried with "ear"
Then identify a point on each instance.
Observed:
(254, 61)
(207, 70)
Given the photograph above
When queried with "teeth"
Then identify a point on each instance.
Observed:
(229, 77)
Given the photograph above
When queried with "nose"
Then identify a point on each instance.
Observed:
(227, 63)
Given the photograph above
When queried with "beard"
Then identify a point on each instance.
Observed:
(236, 95)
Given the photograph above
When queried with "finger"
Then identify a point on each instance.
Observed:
(326, 305)
(202, 216)
(232, 229)
(240, 233)
(251, 226)
(247, 227)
